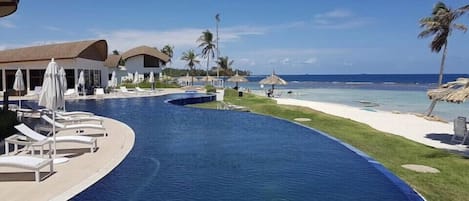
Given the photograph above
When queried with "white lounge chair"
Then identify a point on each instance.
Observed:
(75, 113)
(36, 92)
(142, 90)
(77, 127)
(460, 130)
(124, 90)
(41, 140)
(99, 92)
(70, 92)
(29, 163)
(74, 119)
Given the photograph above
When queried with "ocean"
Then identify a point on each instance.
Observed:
(405, 93)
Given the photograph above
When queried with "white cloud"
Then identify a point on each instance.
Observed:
(298, 52)
(243, 62)
(272, 61)
(311, 60)
(285, 61)
(339, 19)
(182, 38)
(7, 24)
(337, 13)
(348, 63)
(52, 28)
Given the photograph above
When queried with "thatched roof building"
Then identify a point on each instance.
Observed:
(74, 57)
(91, 49)
(112, 61)
(145, 50)
(144, 59)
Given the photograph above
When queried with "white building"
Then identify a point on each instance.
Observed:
(144, 59)
(74, 57)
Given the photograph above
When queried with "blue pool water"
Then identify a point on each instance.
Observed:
(183, 153)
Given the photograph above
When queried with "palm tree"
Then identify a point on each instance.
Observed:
(191, 58)
(168, 50)
(225, 64)
(217, 19)
(440, 25)
(208, 46)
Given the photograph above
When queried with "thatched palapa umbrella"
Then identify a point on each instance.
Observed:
(455, 92)
(273, 80)
(237, 78)
(207, 79)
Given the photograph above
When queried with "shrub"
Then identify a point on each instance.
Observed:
(7, 121)
(210, 89)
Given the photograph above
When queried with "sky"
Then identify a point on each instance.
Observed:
(288, 37)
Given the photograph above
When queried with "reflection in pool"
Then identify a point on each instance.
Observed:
(183, 153)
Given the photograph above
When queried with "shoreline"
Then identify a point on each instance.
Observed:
(431, 133)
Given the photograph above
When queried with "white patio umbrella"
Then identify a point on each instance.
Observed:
(81, 81)
(113, 79)
(136, 80)
(52, 97)
(152, 80)
(18, 85)
(130, 76)
(63, 82)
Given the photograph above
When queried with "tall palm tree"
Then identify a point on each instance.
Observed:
(225, 64)
(217, 19)
(168, 50)
(208, 47)
(440, 25)
(191, 58)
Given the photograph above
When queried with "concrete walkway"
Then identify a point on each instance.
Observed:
(70, 178)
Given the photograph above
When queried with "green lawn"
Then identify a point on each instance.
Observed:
(392, 151)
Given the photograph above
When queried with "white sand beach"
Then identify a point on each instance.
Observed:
(432, 133)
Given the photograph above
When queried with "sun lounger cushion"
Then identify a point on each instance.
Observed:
(25, 130)
(27, 162)
(72, 126)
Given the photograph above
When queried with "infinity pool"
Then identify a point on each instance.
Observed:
(183, 153)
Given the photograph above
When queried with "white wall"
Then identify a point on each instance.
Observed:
(77, 64)
(88, 64)
(136, 64)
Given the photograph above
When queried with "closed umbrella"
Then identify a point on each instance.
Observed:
(130, 77)
(63, 82)
(52, 97)
(273, 80)
(113, 79)
(237, 78)
(18, 85)
(136, 80)
(152, 80)
(81, 82)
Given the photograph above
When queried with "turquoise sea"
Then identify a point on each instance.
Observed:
(405, 93)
